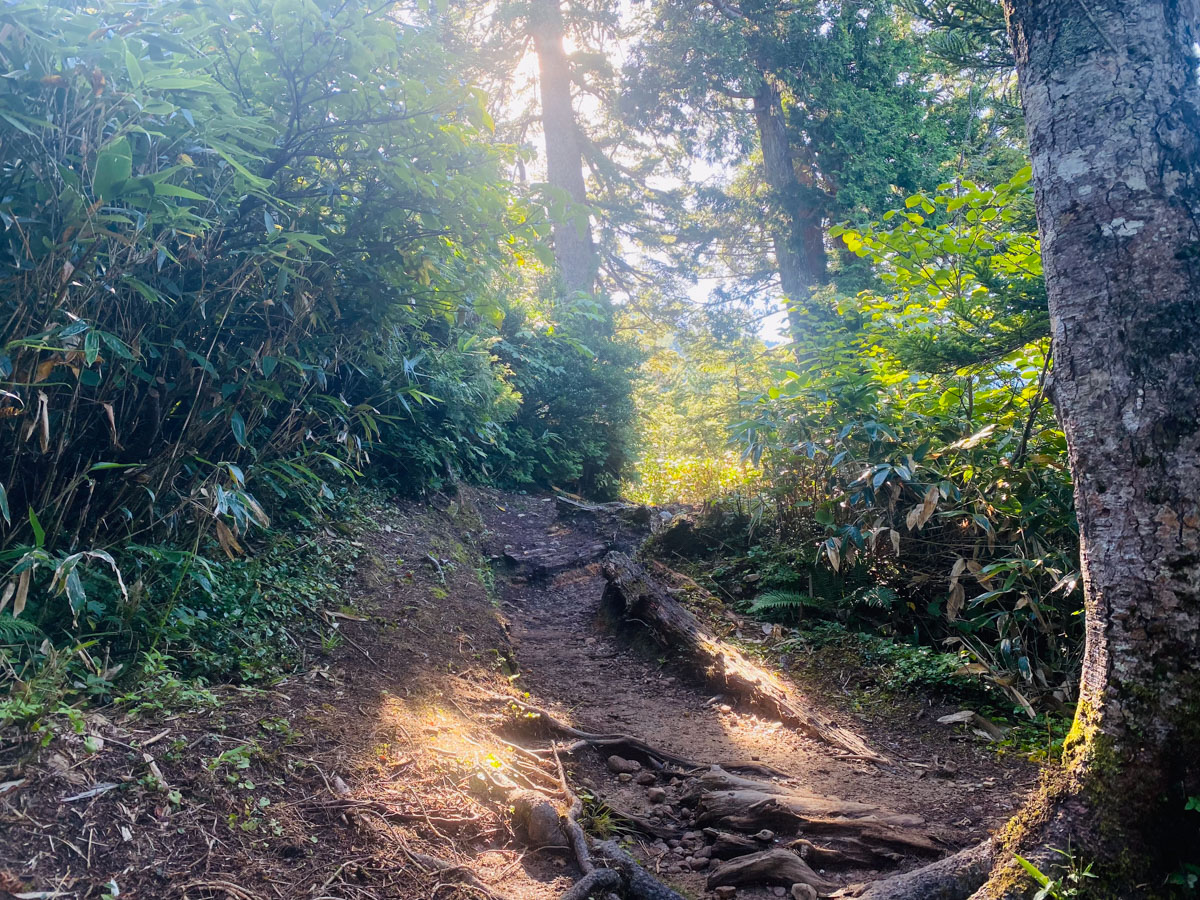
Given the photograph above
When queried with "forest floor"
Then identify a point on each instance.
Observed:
(380, 769)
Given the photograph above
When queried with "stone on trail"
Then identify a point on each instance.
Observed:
(623, 766)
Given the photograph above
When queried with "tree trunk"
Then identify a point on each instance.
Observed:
(798, 241)
(573, 248)
(1113, 114)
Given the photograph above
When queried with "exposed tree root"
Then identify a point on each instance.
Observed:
(956, 877)
(443, 867)
(592, 883)
(655, 756)
(640, 884)
(775, 866)
(638, 596)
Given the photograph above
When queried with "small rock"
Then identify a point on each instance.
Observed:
(804, 892)
(675, 869)
(656, 795)
(674, 842)
(726, 892)
(698, 863)
(704, 853)
(765, 835)
(674, 781)
(623, 766)
(646, 778)
(725, 708)
(625, 778)
(779, 891)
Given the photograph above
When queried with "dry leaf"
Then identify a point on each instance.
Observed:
(22, 592)
(227, 541)
(832, 551)
(928, 505)
(954, 602)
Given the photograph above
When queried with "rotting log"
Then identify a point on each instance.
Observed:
(776, 866)
(639, 597)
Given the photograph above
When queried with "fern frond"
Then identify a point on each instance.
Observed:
(15, 630)
(775, 601)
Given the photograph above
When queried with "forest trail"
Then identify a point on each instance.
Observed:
(576, 661)
(387, 766)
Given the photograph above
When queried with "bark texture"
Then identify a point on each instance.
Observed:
(574, 250)
(1113, 114)
(798, 241)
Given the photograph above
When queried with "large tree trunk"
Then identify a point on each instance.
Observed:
(1113, 113)
(798, 240)
(573, 248)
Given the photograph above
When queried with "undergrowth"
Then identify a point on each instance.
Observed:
(187, 621)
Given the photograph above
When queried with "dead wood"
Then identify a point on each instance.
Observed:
(639, 597)
(542, 561)
(776, 866)
(956, 877)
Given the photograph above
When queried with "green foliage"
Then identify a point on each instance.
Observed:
(251, 247)
(897, 666)
(221, 287)
(573, 376)
(693, 378)
(914, 438)
(782, 604)
(1069, 884)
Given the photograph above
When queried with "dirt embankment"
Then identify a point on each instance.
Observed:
(391, 765)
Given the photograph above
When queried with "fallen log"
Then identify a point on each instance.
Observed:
(637, 596)
(769, 867)
(542, 561)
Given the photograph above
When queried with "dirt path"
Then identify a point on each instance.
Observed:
(572, 661)
(374, 771)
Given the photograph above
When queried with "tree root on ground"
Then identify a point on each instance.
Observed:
(655, 756)
(956, 877)
(776, 866)
(638, 596)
